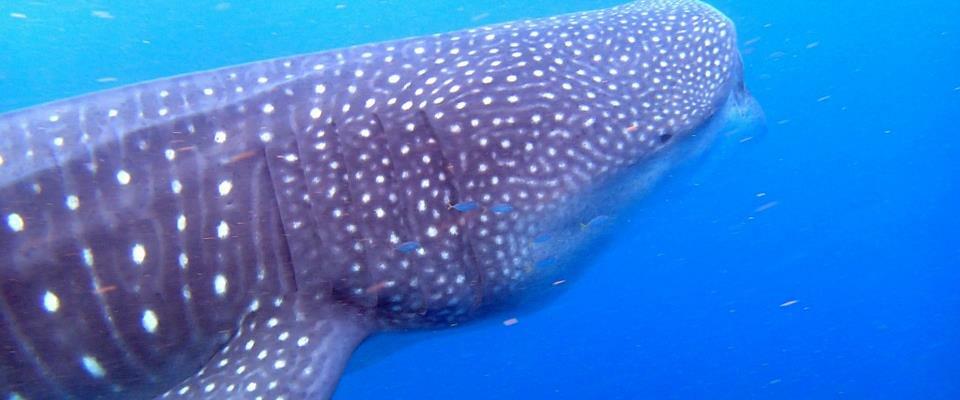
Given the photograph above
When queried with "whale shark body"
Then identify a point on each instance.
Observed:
(237, 233)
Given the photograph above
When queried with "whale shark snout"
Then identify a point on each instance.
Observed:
(743, 117)
(745, 113)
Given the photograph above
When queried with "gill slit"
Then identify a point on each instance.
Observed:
(453, 184)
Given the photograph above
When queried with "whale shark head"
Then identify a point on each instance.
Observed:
(685, 96)
(486, 161)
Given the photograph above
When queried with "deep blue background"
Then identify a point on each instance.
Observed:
(860, 222)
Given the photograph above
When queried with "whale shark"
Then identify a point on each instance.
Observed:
(237, 233)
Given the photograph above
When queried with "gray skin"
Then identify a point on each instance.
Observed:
(236, 233)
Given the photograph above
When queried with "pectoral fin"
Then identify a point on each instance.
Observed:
(291, 349)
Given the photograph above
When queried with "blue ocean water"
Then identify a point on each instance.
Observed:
(821, 261)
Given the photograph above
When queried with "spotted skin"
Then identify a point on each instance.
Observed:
(236, 233)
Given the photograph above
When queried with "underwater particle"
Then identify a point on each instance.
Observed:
(761, 194)
(777, 55)
(766, 207)
(102, 14)
(823, 99)
(106, 289)
(408, 247)
(377, 287)
(788, 303)
(559, 282)
(340, 6)
(774, 381)
(106, 79)
(479, 17)
(887, 131)
(465, 206)
(501, 208)
(510, 322)
(222, 6)
(783, 122)
(813, 45)
(18, 15)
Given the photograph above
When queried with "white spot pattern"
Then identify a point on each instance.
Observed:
(51, 302)
(92, 366)
(138, 253)
(15, 222)
(220, 285)
(149, 321)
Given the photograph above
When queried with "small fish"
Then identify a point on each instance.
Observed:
(788, 303)
(559, 282)
(408, 247)
(465, 206)
(501, 208)
(510, 322)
